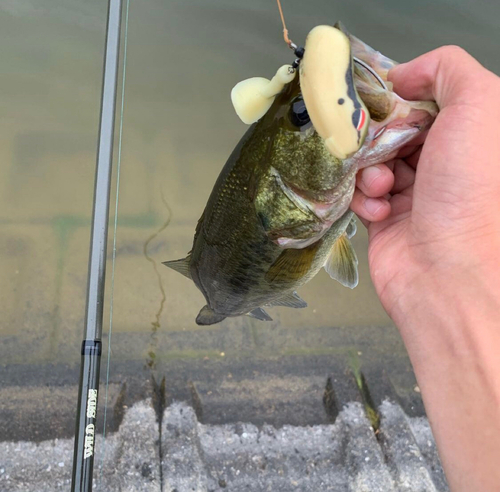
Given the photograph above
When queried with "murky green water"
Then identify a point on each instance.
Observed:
(179, 128)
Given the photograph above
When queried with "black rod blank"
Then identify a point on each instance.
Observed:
(83, 459)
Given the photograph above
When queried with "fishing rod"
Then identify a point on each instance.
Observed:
(83, 457)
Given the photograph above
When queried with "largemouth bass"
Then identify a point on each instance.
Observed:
(279, 211)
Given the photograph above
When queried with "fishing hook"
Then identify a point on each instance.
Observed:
(370, 69)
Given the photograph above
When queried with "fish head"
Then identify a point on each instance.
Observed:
(294, 147)
(301, 187)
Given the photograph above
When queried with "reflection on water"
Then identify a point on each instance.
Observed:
(184, 58)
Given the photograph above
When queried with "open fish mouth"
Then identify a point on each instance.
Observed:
(385, 139)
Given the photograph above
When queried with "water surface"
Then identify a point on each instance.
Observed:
(179, 128)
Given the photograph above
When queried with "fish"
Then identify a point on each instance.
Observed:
(279, 210)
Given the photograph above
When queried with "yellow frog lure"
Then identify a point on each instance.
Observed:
(334, 106)
(336, 111)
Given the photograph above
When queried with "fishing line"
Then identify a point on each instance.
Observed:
(118, 166)
(299, 51)
(288, 41)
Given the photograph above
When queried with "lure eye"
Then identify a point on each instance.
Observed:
(358, 118)
(298, 113)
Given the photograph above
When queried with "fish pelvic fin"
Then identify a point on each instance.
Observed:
(351, 228)
(260, 314)
(181, 266)
(207, 316)
(292, 300)
(342, 262)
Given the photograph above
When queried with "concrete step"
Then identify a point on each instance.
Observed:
(345, 456)
(184, 455)
(127, 461)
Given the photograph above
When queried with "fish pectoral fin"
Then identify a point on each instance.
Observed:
(292, 264)
(292, 300)
(351, 228)
(259, 313)
(208, 317)
(181, 266)
(342, 262)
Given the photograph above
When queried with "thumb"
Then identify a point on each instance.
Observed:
(448, 75)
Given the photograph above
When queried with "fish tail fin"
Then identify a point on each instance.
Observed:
(342, 262)
(181, 266)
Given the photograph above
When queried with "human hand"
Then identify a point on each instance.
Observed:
(436, 208)
(433, 218)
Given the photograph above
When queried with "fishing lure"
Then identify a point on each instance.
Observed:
(333, 104)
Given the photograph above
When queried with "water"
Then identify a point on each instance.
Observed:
(179, 128)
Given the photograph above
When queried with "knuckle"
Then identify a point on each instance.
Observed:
(453, 51)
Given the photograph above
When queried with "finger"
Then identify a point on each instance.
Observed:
(404, 176)
(402, 203)
(370, 209)
(445, 75)
(375, 181)
(413, 159)
(408, 150)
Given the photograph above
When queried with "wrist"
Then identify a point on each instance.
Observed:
(452, 333)
(454, 299)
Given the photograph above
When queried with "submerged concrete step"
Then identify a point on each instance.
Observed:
(39, 412)
(272, 399)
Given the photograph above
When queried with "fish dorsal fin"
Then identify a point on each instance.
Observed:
(342, 263)
(181, 266)
(351, 228)
(292, 300)
(292, 264)
(208, 317)
(259, 313)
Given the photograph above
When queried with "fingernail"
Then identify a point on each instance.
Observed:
(370, 175)
(373, 205)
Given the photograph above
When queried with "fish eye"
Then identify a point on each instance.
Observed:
(298, 113)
